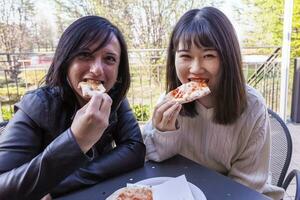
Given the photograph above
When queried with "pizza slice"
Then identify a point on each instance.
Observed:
(132, 192)
(90, 87)
(189, 91)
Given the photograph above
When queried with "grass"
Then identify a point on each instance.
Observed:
(33, 77)
(143, 93)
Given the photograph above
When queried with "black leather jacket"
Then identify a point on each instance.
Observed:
(39, 154)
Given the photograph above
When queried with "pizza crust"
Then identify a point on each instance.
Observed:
(189, 92)
(90, 87)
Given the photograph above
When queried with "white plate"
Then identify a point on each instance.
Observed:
(197, 193)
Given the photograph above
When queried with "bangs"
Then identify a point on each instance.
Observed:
(196, 33)
(96, 39)
(92, 40)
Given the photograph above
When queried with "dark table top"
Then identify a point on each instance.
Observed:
(214, 185)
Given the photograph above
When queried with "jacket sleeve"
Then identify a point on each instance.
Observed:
(29, 168)
(128, 154)
(26, 171)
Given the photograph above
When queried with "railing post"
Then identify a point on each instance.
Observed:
(295, 112)
(8, 59)
(286, 48)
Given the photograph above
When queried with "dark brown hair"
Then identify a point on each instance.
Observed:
(80, 35)
(209, 27)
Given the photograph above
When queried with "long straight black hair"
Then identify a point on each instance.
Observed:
(81, 34)
(209, 27)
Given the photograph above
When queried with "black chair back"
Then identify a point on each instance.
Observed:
(281, 150)
(2, 126)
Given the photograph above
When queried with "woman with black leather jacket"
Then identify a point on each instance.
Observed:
(59, 140)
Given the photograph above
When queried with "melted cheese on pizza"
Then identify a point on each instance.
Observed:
(189, 91)
(89, 87)
(136, 194)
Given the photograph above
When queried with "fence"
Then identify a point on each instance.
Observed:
(266, 78)
(22, 72)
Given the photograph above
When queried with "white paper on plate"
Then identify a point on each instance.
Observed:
(175, 189)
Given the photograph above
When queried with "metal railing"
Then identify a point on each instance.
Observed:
(147, 68)
(266, 78)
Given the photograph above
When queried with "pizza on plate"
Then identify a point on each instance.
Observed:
(90, 87)
(189, 91)
(132, 193)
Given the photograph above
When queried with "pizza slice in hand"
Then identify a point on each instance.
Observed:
(90, 87)
(189, 91)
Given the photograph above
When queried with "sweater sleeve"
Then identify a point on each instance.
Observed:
(252, 164)
(160, 145)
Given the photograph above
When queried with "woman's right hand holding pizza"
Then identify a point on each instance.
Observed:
(165, 115)
(91, 120)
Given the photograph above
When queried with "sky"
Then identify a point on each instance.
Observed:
(46, 13)
(46, 10)
(227, 8)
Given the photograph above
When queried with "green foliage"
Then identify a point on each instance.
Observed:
(266, 21)
(12, 94)
(141, 112)
(33, 77)
(295, 44)
(6, 113)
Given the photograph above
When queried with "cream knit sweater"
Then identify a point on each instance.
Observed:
(240, 150)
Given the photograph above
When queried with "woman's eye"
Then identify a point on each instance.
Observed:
(111, 60)
(185, 56)
(85, 56)
(209, 56)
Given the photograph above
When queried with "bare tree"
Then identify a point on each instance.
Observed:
(68, 11)
(146, 24)
(15, 19)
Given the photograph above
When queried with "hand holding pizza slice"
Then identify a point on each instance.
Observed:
(90, 87)
(165, 113)
(189, 91)
(92, 119)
